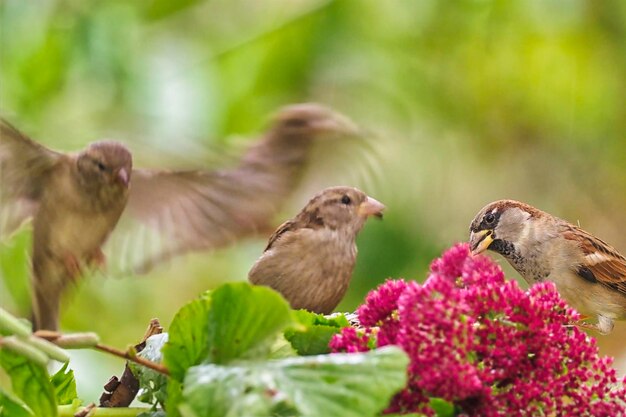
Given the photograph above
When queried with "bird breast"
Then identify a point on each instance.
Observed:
(311, 268)
(66, 223)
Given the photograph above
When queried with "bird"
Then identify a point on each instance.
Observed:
(310, 258)
(90, 206)
(75, 201)
(588, 273)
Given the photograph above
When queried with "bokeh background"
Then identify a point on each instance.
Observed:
(467, 102)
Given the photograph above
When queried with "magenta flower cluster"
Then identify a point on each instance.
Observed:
(486, 345)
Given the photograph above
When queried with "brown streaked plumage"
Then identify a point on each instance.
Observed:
(310, 258)
(588, 273)
(75, 206)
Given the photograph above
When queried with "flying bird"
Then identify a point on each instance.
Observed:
(588, 273)
(310, 258)
(75, 201)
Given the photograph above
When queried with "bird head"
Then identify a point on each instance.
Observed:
(501, 225)
(342, 208)
(105, 165)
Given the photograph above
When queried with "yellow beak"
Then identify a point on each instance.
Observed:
(480, 241)
(371, 207)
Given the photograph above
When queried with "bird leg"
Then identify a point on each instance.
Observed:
(97, 259)
(72, 266)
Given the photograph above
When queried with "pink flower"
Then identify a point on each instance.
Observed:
(486, 345)
(350, 340)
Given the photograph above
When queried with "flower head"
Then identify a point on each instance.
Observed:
(485, 344)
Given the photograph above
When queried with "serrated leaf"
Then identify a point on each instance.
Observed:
(314, 333)
(30, 382)
(188, 337)
(347, 385)
(244, 322)
(12, 407)
(64, 385)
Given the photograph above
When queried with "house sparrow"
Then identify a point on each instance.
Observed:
(75, 201)
(588, 273)
(310, 258)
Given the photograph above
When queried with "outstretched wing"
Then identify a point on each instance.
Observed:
(24, 165)
(174, 212)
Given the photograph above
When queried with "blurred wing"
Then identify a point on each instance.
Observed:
(602, 262)
(352, 161)
(169, 213)
(24, 165)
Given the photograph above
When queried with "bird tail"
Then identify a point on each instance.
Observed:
(49, 280)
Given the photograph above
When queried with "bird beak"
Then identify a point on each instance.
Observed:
(371, 207)
(480, 241)
(123, 177)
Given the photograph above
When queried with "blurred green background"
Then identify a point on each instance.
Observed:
(467, 102)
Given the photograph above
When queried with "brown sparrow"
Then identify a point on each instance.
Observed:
(588, 273)
(75, 200)
(310, 258)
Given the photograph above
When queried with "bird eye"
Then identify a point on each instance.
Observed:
(490, 218)
(101, 166)
(346, 200)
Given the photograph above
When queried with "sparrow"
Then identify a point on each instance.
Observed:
(588, 273)
(310, 258)
(87, 204)
(75, 201)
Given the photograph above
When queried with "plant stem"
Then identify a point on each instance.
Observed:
(70, 410)
(141, 361)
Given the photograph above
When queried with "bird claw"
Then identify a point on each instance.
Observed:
(98, 259)
(73, 266)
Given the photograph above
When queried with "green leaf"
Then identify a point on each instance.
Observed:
(64, 385)
(174, 397)
(347, 385)
(12, 407)
(244, 322)
(30, 382)
(442, 407)
(188, 337)
(315, 332)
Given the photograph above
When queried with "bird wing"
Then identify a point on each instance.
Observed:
(169, 213)
(24, 164)
(174, 212)
(287, 226)
(602, 262)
